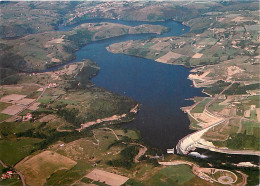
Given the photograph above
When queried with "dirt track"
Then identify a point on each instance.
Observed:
(141, 152)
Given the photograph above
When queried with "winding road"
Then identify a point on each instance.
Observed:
(141, 152)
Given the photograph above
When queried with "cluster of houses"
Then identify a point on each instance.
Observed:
(7, 175)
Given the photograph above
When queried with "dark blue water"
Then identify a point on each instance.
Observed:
(160, 88)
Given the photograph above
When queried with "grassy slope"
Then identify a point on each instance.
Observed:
(12, 151)
(172, 175)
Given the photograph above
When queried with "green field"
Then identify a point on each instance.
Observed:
(172, 175)
(200, 107)
(193, 123)
(216, 107)
(4, 117)
(88, 148)
(47, 99)
(207, 41)
(67, 177)
(243, 141)
(12, 128)
(12, 151)
(4, 105)
(254, 100)
(11, 182)
(251, 128)
(129, 133)
(245, 105)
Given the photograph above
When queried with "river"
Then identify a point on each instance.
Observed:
(162, 89)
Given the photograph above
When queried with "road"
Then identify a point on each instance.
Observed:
(21, 177)
(2, 163)
(141, 152)
(62, 130)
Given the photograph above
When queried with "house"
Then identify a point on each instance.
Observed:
(27, 117)
(7, 175)
(9, 172)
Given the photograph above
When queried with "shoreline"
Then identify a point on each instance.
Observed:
(110, 119)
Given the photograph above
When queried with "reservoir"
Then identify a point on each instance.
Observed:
(161, 89)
